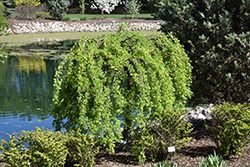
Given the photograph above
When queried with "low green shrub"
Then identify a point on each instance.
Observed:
(42, 15)
(166, 129)
(83, 18)
(47, 148)
(213, 161)
(35, 148)
(66, 19)
(80, 149)
(230, 127)
(75, 19)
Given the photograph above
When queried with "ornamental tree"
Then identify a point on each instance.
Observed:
(105, 5)
(132, 6)
(123, 79)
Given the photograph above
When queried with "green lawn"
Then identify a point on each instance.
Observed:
(115, 16)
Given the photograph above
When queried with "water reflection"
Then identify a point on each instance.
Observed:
(26, 90)
(48, 50)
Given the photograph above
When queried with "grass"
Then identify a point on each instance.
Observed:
(115, 16)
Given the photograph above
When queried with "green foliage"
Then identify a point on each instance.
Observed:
(123, 27)
(42, 15)
(132, 6)
(83, 18)
(31, 11)
(162, 131)
(58, 8)
(45, 148)
(2, 9)
(165, 164)
(3, 26)
(231, 128)
(82, 5)
(76, 19)
(66, 19)
(213, 161)
(122, 75)
(216, 35)
(80, 149)
(27, 2)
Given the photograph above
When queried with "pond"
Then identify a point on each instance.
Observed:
(26, 85)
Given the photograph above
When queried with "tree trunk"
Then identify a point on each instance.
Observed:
(102, 14)
(128, 119)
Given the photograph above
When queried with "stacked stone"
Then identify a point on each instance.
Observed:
(58, 26)
(199, 114)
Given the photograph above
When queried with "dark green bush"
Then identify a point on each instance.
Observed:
(231, 128)
(58, 8)
(216, 36)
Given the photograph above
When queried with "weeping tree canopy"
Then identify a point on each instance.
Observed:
(119, 79)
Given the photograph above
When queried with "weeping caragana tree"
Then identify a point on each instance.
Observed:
(122, 79)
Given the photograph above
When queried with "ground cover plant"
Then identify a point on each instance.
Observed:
(216, 35)
(139, 79)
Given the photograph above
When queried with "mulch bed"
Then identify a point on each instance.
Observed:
(189, 156)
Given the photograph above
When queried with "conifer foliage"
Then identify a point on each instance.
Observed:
(58, 8)
(216, 36)
(121, 79)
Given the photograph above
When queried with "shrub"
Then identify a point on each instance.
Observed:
(83, 18)
(162, 131)
(42, 15)
(27, 2)
(32, 11)
(27, 11)
(231, 128)
(4, 25)
(80, 149)
(2, 9)
(123, 75)
(66, 19)
(45, 148)
(58, 8)
(216, 37)
(76, 19)
(213, 161)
